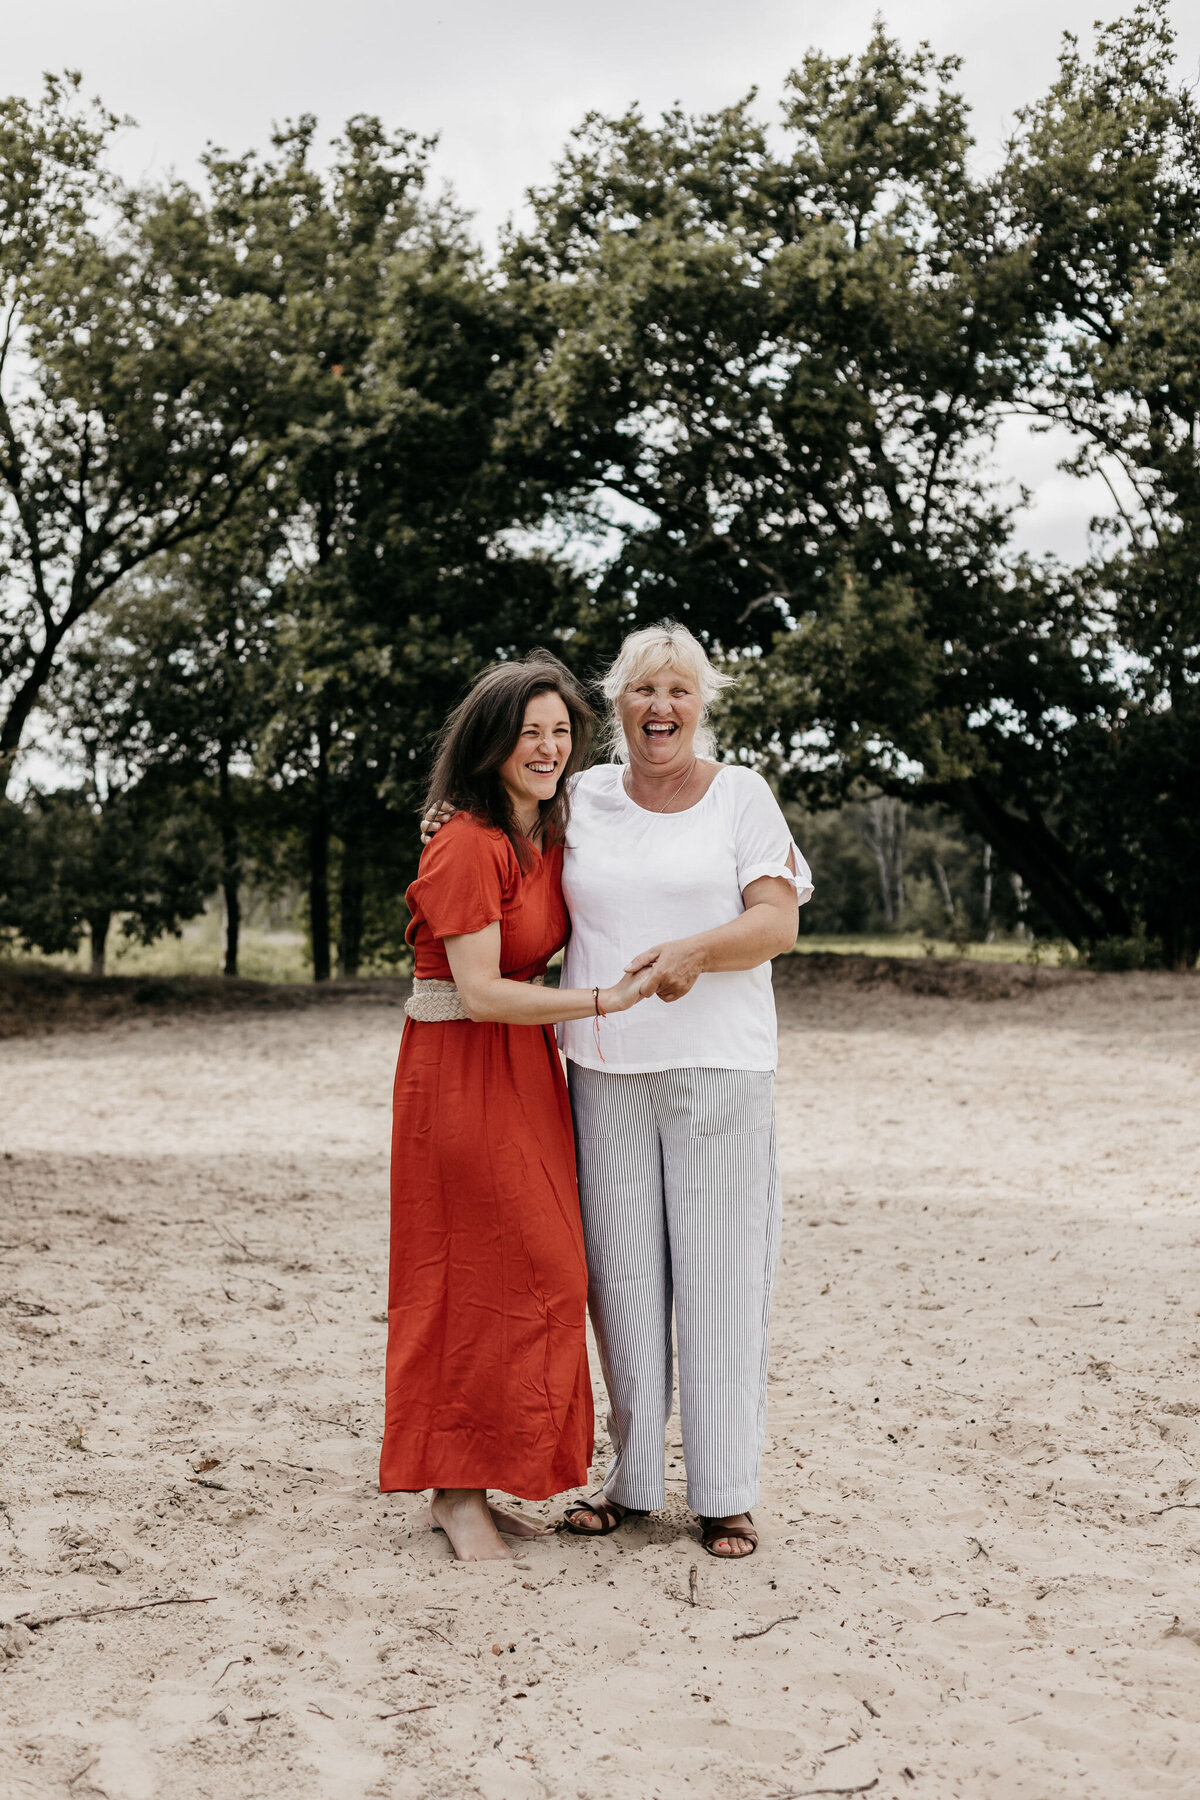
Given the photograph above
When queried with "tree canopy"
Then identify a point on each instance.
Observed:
(286, 458)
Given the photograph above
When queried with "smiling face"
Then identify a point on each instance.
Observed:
(531, 774)
(659, 716)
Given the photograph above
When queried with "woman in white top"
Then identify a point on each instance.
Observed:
(683, 867)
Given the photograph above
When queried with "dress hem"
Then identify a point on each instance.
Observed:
(534, 1492)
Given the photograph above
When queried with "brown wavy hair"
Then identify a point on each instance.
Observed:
(481, 734)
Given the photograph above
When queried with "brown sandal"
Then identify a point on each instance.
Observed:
(610, 1514)
(712, 1529)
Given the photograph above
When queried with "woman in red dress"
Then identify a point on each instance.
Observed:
(487, 1376)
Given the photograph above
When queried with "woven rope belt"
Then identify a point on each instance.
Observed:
(438, 1002)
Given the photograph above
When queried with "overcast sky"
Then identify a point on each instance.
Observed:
(501, 85)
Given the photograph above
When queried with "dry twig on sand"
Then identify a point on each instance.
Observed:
(802, 1793)
(784, 1619)
(421, 1626)
(401, 1711)
(692, 1585)
(94, 1612)
(224, 1232)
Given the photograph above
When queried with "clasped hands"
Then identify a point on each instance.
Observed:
(670, 969)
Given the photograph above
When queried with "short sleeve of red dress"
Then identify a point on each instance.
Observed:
(467, 876)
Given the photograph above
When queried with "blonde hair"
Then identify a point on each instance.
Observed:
(645, 652)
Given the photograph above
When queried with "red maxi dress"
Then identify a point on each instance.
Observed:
(487, 1374)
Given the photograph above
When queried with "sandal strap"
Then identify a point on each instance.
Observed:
(712, 1529)
(609, 1512)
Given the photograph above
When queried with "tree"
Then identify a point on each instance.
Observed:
(779, 365)
(174, 671)
(300, 644)
(132, 836)
(946, 874)
(76, 858)
(132, 386)
(405, 475)
(316, 248)
(779, 372)
(1103, 186)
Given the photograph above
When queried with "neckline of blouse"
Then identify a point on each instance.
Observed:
(650, 812)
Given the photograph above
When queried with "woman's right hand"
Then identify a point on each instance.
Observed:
(626, 993)
(432, 823)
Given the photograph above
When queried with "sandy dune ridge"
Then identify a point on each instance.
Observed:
(981, 1511)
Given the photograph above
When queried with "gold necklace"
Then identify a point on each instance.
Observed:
(672, 797)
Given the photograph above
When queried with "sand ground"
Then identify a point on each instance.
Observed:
(981, 1508)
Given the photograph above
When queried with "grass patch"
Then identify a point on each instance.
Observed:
(909, 944)
(272, 956)
(281, 957)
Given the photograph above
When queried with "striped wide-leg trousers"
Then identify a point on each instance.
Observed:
(679, 1185)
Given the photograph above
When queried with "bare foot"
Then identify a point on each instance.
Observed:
(463, 1514)
(512, 1526)
(735, 1546)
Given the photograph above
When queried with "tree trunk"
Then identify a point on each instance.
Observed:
(98, 924)
(987, 894)
(233, 922)
(943, 881)
(231, 861)
(884, 838)
(1180, 940)
(21, 707)
(351, 906)
(318, 893)
(318, 862)
(899, 830)
(1021, 896)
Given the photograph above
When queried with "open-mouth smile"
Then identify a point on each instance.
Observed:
(660, 728)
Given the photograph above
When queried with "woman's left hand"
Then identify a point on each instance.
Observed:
(676, 968)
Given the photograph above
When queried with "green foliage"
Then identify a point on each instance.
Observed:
(928, 876)
(780, 368)
(72, 862)
(1103, 184)
(1134, 952)
(283, 463)
(132, 386)
(394, 502)
(782, 361)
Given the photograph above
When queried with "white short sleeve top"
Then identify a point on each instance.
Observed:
(634, 878)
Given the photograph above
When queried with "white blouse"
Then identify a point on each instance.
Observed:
(634, 878)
